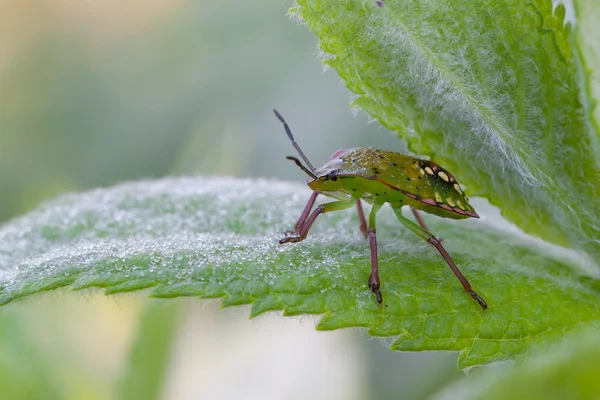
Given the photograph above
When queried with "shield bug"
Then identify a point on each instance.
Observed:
(379, 177)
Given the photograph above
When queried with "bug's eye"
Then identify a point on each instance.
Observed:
(332, 175)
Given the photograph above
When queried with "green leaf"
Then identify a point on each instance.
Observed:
(587, 42)
(218, 238)
(149, 356)
(568, 371)
(487, 88)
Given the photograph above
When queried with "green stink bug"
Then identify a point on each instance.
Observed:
(379, 177)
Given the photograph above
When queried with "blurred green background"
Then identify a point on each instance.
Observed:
(99, 92)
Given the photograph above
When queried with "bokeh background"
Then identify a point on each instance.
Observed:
(99, 92)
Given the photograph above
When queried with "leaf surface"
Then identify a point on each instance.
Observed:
(217, 238)
(587, 42)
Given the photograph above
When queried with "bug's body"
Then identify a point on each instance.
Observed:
(393, 178)
(379, 177)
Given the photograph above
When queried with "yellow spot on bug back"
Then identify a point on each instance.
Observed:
(458, 189)
(460, 204)
(422, 171)
(450, 202)
(438, 198)
(443, 175)
(429, 170)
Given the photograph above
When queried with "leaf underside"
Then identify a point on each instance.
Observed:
(567, 371)
(217, 238)
(488, 89)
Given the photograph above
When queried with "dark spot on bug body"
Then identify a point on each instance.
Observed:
(408, 179)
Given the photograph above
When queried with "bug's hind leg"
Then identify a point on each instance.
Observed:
(428, 237)
(419, 219)
(323, 208)
(361, 218)
(374, 282)
(421, 222)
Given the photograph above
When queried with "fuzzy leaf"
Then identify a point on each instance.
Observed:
(567, 371)
(217, 238)
(487, 88)
(587, 42)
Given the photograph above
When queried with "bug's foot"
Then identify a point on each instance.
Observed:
(375, 289)
(374, 286)
(377, 295)
(291, 237)
(478, 298)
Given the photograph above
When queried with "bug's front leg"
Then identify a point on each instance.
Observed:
(323, 208)
(428, 237)
(304, 215)
(374, 282)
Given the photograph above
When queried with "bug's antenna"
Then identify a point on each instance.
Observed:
(289, 133)
(303, 168)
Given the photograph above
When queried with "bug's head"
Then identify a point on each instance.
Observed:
(327, 175)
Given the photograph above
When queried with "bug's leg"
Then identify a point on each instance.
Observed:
(421, 222)
(425, 235)
(322, 208)
(419, 219)
(361, 218)
(374, 282)
(304, 215)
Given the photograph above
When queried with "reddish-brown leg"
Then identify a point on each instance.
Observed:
(436, 243)
(361, 218)
(419, 218)
(374, 282)
(427, 236)
(307, 208)
(421, 222)
(300, 235)
(323, 208)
